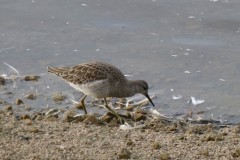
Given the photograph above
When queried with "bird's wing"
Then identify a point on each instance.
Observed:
(88, 72)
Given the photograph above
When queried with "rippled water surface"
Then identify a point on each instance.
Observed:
(187, 48)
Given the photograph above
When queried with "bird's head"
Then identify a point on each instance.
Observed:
(142, 88)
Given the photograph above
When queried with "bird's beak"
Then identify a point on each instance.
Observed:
(150, 99)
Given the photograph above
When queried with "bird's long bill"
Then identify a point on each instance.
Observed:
(150, 99)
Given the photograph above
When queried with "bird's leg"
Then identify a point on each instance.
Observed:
(119, 118)
(83, 105)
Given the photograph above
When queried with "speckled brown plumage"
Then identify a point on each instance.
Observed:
(100, 80)
(88, 72)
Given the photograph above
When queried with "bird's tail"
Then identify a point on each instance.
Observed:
(59, 71)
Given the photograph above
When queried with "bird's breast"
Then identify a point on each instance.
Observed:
(96, 89)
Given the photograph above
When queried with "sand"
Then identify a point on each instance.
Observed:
(53, 137)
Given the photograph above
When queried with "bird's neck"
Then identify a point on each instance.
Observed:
(129, 89)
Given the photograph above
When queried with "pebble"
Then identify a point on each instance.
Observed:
(19, 102)
(68, 118)
(33, 130)
(2, 81)
(139, 116)
(8, 108)
(130, 143)
(10, 113)
(156, 145)
(25, 116)
(114, 122)
(164, 156)
(30, 96)
(31, 78)
(28, 121)
(236, 153)
(172, 127)
(58, 97)
(124, 154)
(2, 101)
(107, 117)
(71, 112)
(204, 152)
(91, 119)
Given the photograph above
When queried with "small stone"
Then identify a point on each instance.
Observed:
(107, 117)
(139, 116)
(25, 117)
(182, 137)
(124, 154)
(58, 97)
(31, 78)
(68, 118)
(2, 81)
(8, 108)
(10, 113)
(33, 130)
(164, 156)
(28, 121)
(30, 96)
(71, 112)
(236, 153)
(2, 101)
(91, 119)
(171, 128)
(68, 114)
(19, 102)
(114, 122)
(130, 143)
(25, 138)
(204, 152)
(156, 145)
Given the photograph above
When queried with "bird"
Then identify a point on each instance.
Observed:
(100, 80)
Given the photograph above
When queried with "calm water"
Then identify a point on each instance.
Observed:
(187, 48)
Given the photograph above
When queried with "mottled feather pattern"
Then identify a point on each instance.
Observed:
(100, 80)
(88, 72)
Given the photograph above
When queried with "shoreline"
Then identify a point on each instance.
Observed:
(64, 134)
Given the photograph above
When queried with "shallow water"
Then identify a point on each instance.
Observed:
(187, 48)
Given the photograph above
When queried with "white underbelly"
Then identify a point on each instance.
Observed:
(97, 89)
